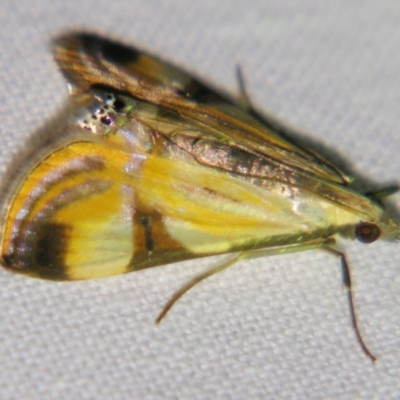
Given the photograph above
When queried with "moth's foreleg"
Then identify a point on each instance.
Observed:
(347, 283)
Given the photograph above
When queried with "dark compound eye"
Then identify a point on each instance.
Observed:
(367, 232)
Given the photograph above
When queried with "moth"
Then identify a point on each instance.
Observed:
(146, 166)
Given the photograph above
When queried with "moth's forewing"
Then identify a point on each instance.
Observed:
(88, 60)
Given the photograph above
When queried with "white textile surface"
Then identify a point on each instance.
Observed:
(271, 328)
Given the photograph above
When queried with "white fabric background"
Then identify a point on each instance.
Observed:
(276, 327)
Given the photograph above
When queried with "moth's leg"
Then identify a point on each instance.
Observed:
(197, 279)
(346, 277)
(244, 98)
(247, 104)
(294, 248)
(378, 195)
(270, 122)
(313, 244)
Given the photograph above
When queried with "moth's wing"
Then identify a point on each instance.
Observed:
(88, 60)
(90, 209)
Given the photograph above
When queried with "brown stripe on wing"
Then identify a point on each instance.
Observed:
(153, 244)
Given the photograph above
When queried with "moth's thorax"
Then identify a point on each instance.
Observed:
(110, 116)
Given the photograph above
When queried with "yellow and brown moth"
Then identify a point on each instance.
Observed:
(146, 166)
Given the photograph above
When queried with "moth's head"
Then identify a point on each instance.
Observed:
(381, 226)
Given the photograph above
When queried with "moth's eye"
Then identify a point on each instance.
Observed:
(366, 232)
